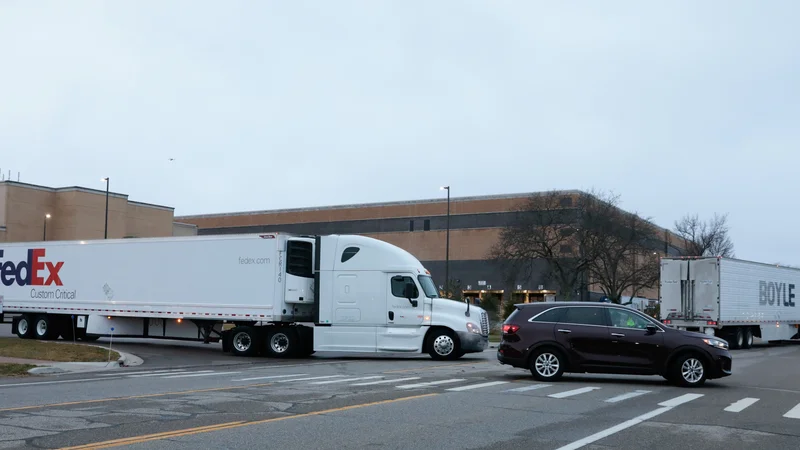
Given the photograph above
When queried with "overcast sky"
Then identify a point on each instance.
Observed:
(679, 107)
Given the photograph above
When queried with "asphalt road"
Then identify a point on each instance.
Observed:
(409, 402)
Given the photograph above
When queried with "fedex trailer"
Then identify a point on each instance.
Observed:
(740, 301)
(276, 294)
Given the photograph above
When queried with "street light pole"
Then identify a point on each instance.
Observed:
(105, 232)
(44, 236)
(447, 246)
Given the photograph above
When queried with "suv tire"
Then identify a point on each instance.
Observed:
(688, 370)
(547, 364)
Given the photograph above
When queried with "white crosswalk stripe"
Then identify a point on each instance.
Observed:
(566, 394)
(741, 405)
(477, 386)
(209, 374)
(626, 396)
(793, 413)
(529, 388)
(677, 401)
(429, 383)
(346, 380)
(270, 377)
(397, 380)
(141, 372)
(310, 378)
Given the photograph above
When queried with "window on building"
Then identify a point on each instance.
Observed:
(348, 253)
(410, 225)
(399, 286)
(426, 225)
(299, 259)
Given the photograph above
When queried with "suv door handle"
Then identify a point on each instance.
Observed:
(564, 331)
(618, 334)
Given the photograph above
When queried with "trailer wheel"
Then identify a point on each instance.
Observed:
(45, 328)
(282, 342)
(738, 339)
(23, 328)
(244, 341)
(748, 338)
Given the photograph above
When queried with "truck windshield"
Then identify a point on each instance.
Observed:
(428, 286)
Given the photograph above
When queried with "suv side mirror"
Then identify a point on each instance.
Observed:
(409, 292)
(651, 329)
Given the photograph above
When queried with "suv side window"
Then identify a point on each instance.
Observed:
(553, 315)
(585, 315)
(625, 319)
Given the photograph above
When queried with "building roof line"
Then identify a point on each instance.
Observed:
(520, 195)
(83, 189)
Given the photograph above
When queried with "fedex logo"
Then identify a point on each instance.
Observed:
(31, 272)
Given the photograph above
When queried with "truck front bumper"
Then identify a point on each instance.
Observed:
(472, 343)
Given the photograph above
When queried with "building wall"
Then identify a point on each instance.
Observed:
(184, 229)
(76, 213)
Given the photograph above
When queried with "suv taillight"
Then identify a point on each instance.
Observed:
(510, 329)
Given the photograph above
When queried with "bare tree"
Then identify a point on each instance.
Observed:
(580, 235)
(705, 238)
(626, 260)
(544, 228)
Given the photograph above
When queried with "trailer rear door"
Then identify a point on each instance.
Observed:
(704, 285)
(673, 282)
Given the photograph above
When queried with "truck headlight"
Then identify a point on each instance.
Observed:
(716, 343)
(473, 328)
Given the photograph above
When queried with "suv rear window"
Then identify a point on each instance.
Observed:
(551, 315)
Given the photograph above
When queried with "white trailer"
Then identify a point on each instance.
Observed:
(740, 301)
(279, 294)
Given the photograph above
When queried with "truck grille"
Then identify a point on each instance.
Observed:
(484, 324)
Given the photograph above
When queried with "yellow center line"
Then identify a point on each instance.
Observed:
(228, 425)
(132, 397)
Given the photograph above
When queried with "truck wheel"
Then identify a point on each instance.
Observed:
(282, 342)
(688, 370)
(24, 328)
(442, 345)
(738, 339)
(45, 328)
(748, 338)
(244, 341)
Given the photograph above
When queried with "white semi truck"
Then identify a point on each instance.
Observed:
(740, 301)
(276, 294)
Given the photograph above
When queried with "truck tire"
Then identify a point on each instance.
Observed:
(45, 328)
(738, 339)
(244, 341)
(443, 345)
(24, 327)
(282, 342)
(688, 370)
(748, 338)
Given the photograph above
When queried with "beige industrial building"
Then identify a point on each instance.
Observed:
(31, 212)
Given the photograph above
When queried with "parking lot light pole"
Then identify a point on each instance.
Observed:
(46, 216)
(105, 232)
(447, 246)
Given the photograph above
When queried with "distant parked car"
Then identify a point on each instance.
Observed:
(550, 339)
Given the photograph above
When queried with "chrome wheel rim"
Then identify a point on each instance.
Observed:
(41, 327)
(443, 345)
(22, 326)
(279, 343)
(547, 364)
(692, 370)
(242, 341)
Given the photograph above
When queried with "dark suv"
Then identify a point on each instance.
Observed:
(583, 337)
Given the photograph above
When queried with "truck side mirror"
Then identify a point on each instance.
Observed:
(410, 292)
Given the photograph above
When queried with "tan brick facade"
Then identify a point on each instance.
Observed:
(76, 213)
